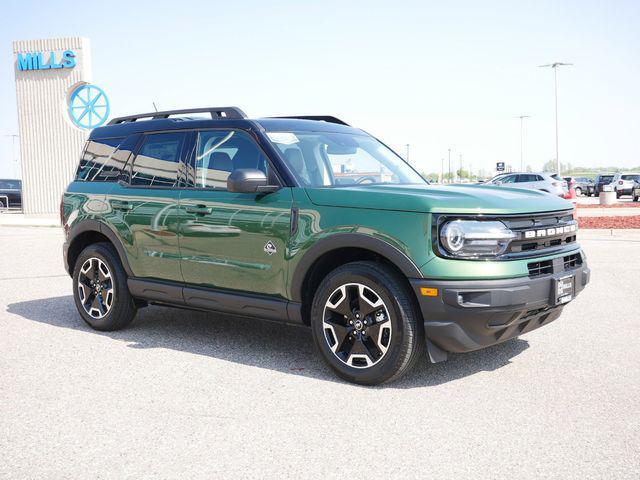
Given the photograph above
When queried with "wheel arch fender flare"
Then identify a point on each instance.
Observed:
(349, 240)
(91, 225)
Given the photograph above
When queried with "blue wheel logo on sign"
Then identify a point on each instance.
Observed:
(88, 106)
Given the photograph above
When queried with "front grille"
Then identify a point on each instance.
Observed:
(540, 268)
(557, 265)
(540, 233)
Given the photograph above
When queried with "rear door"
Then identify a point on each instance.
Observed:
(144, 205)
(232, 241)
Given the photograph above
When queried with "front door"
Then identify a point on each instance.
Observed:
(232, 241)
(145, 203)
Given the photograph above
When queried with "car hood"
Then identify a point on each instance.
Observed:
(439, 199)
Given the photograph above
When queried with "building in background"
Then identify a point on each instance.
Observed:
(49, 74)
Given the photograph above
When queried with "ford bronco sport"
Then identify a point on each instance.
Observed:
(308, 220)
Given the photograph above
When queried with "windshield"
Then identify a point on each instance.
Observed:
(323, 159)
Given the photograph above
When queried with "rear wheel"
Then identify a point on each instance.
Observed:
(100, 289)
(365, 323)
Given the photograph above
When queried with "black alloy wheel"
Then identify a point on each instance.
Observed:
(366, 323)
(100, 288)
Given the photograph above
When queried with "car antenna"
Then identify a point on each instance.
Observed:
(154, 106)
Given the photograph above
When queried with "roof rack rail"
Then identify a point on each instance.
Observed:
(320, 118)
(216, 113)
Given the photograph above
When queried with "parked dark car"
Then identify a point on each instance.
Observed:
(10, 193)
(581, 185)
(601, 181)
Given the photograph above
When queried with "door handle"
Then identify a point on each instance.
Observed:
(116, 205)
(199, 210)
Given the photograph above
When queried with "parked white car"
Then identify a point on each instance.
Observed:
(533, 181)
(623, 183)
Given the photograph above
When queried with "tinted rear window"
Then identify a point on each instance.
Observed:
(606, 178)
(631, 177)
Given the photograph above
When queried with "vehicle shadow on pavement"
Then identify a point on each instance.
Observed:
(271, 345)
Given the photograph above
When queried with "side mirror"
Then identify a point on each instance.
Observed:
(249, 180)
(497, 182)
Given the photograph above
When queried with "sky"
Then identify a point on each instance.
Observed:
(435, 75)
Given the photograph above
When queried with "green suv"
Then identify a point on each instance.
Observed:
(307, 220)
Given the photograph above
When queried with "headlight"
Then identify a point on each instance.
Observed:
(475, 239)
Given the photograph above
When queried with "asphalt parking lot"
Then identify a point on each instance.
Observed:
(191, 395)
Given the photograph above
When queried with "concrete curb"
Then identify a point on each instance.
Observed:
(608, 212)
(624, 233)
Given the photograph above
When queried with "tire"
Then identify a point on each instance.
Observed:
(360, 352)
(635, 199)
(113, 307)
(578, 191)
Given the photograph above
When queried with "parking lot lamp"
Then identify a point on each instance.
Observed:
(555, 66)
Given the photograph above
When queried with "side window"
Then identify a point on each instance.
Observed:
(96, 164)
(220, 152)
(509, 179)
(527, 178)
(157, 161)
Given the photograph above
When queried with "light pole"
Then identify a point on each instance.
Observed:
(522, 117)
(449, 165)
(555, 66)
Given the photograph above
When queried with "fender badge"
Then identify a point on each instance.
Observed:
(270, 248)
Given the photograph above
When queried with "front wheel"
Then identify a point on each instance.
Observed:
(366, 324)
(100, 289)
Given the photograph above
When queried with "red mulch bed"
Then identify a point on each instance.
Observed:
(632, 221)
(615, 205)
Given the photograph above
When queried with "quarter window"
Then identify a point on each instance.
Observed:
(97, 163)
(157, 162)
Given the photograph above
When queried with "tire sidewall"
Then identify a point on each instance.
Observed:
(388, 289)
(120, 293)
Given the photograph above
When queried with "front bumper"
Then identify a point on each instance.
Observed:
(469, 315)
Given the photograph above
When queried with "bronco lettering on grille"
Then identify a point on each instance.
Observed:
(548, 232)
